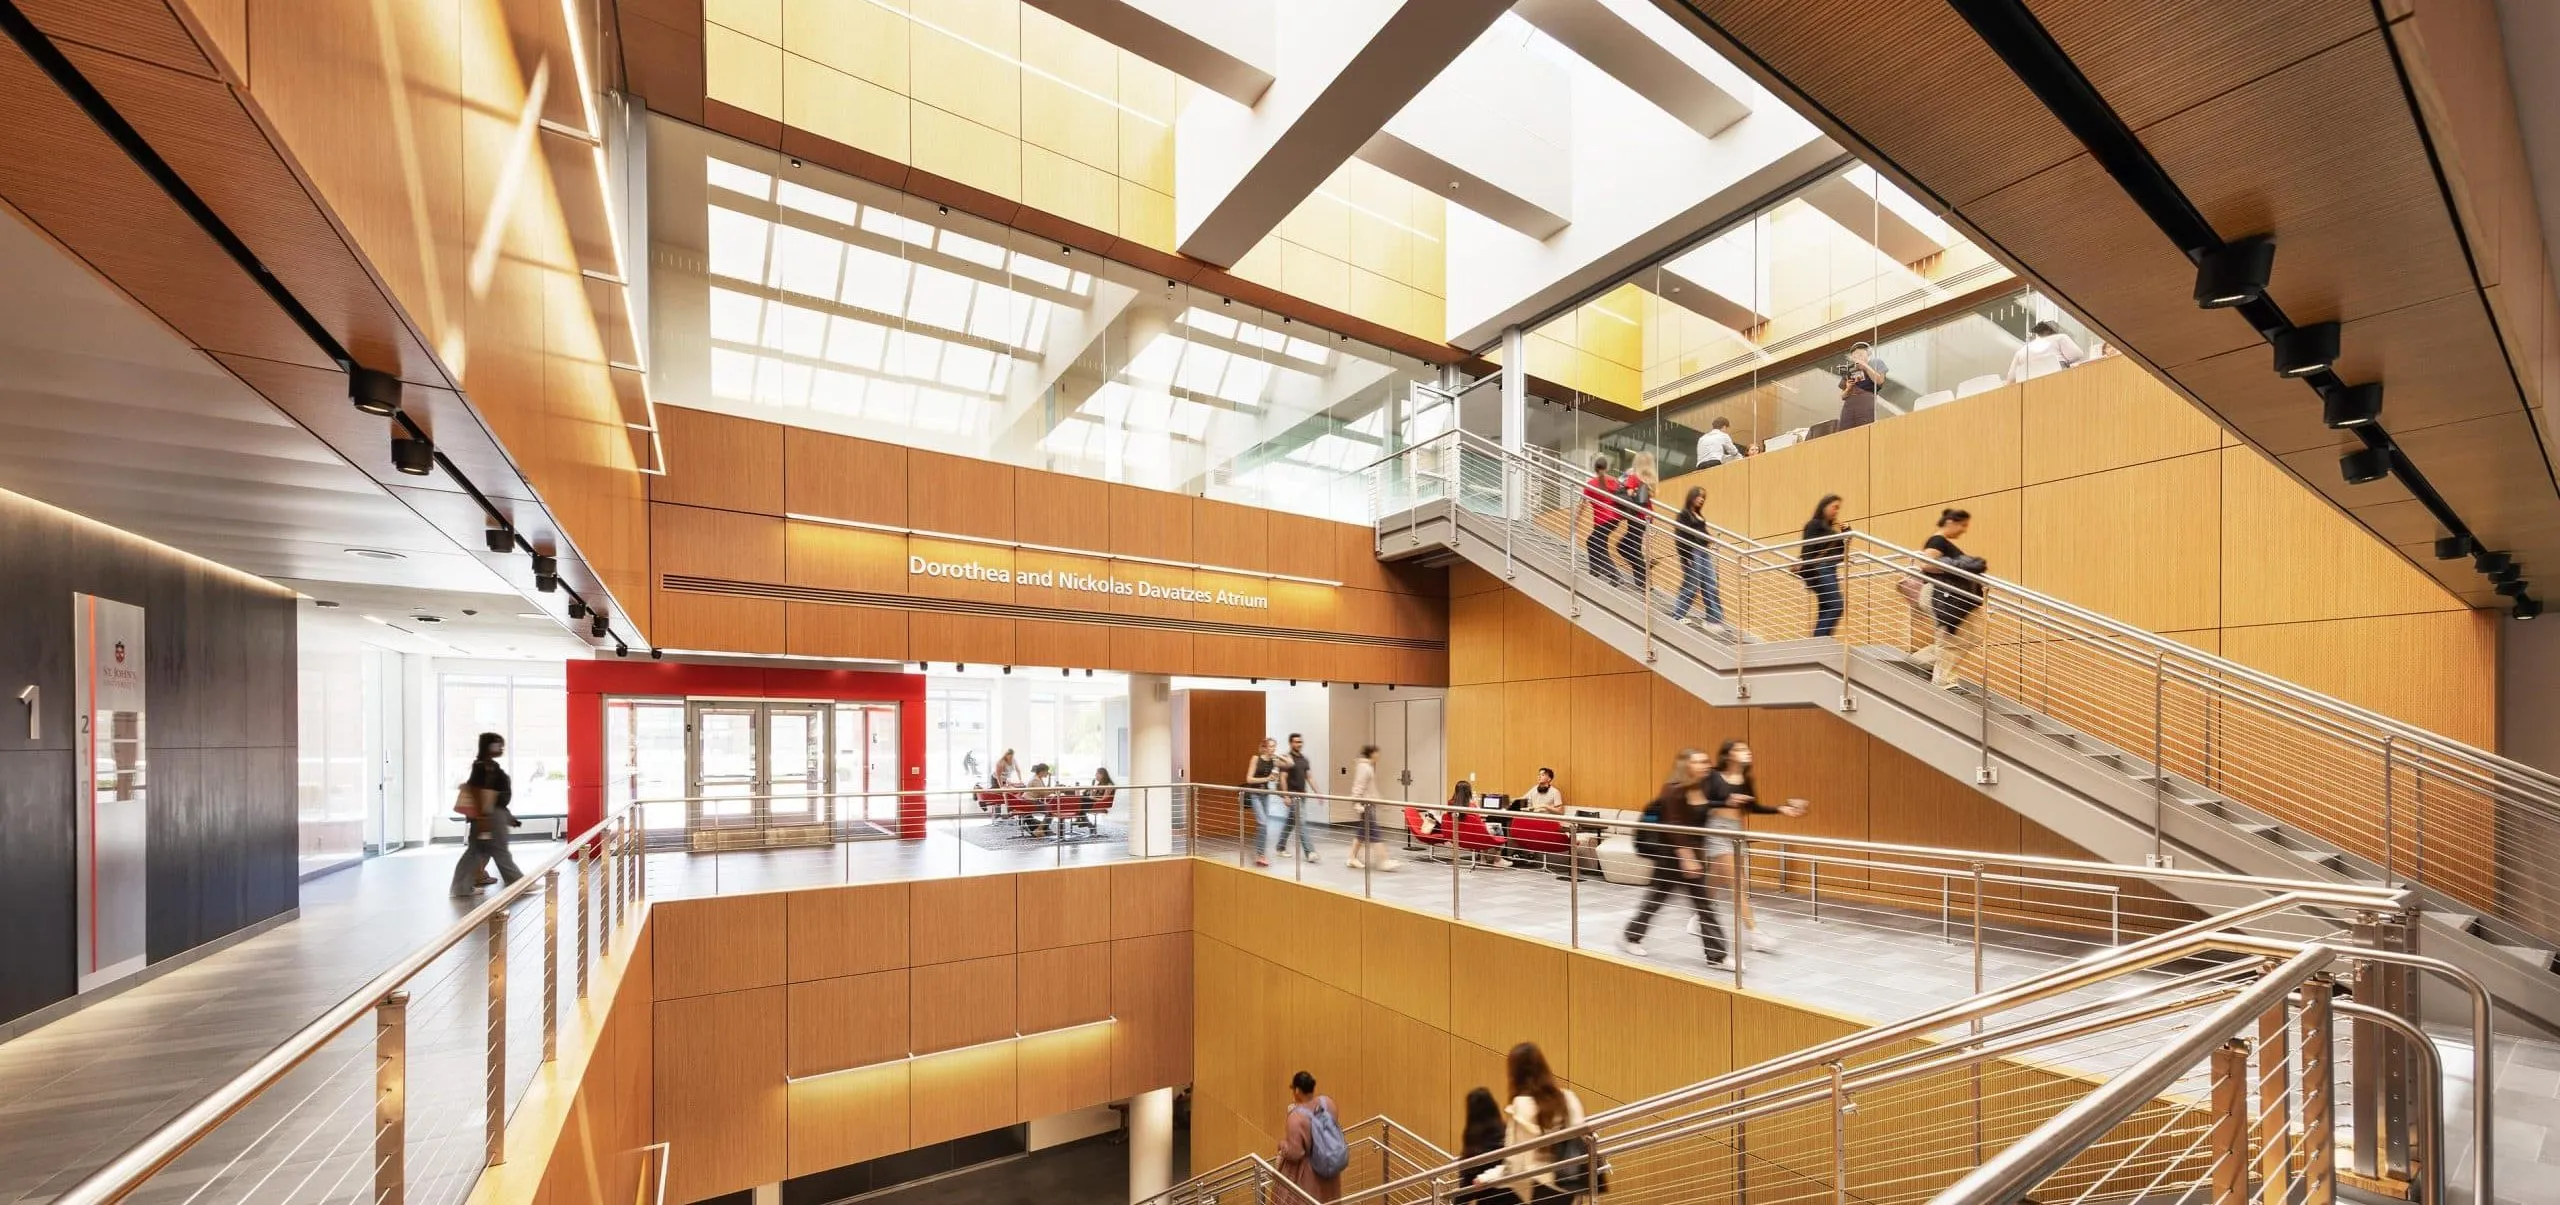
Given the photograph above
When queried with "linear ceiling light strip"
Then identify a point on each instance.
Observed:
(2039, 62)
(993, 542)
(58, 67)
(939, 605)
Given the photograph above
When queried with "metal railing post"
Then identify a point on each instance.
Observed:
(612, 871)
(1734, 948)
(1369, 864)
(2418, 821)
(2318, 1163)
(551, 965)
(1511, 510)
(1573, 889)
(1457, 854)
(2230, 1133)
(2387, 816)
(1977, 928)
(391, 1099)
(2159, 764)
(1839, 1138)
(497, 1039)
(586, 894)
(2382, 1056)
(2275, 1106)
(1815, 891)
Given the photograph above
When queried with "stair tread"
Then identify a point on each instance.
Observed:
(2535, 955)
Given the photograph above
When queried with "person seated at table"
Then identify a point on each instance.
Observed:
(1098, 797)
(1544, 797)
(1039, 791)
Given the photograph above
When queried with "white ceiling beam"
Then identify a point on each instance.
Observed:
(1492, 133)
(1344, 68)
(1225, 46)
(1861, 213)
(1669, 284)
(1608, 40)
(1425, 170)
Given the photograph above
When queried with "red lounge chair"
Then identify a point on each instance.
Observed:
(1542, 836)
(1475, 835)
(1430, 838)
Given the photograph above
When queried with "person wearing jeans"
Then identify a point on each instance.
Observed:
(1600, 496)
(1296, 770)
(1257, 797)
(1826, 544)
(1697, 563)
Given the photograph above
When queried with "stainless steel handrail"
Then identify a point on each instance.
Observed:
(126, 1172)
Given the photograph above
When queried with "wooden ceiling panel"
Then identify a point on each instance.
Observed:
(462, 520)
(141, 29)
(2494, 473)
(2123, 48)
(1912, 80)
(2326, 156)
(2437, 363)
(317, 398)
(200, 128)
(2404, 523)
(68, 178)
(2094, 248)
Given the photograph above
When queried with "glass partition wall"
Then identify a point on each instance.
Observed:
(786, 292)
(1845, 304)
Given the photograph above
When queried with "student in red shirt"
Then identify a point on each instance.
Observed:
(1600, 495)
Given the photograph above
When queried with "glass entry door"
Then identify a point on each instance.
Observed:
(796, 749)
(725, 761)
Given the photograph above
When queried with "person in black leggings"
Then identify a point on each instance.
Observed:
(1676, 856)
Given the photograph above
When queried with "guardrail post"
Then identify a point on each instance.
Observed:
(2382, 1057)
(2318, 1161)
(2387, 816)
(2230, 1133)
(1839, 1138)
(551, 965)
(497, 1038)
(611, 870)
(2159, 764)
(586, 895)
(391, 1099)
(1737, 942)
(1573, 887)
(2275, 1107)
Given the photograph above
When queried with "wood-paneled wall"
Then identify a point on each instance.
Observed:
(2102, 487)
(754, 990)
(220, 740)
(1401, 1013)
(597, 1139)
(721, 515)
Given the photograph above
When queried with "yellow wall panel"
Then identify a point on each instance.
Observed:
(2130, 544)
(962, 1092)
(1505, 989)
(1474, 735)
(1612, 727)
(1072, 122)
(965, 81)
(1146, 216)
(1076, 191)
(994, 24)
(981, 157)
(1313, 276)
(2295, 558)
(2106, 415)
(833, 104)
(1407, 1063)
(758, 19)
(2436, 670)
(1064, 1071)
(1537, 642)
(1146, 152)
(1475, 638)
(1381, 247)
(1150, 91)
(1632, 1061)
(1321, 223)
(739, 70)
(1053, 47)
(862, 40)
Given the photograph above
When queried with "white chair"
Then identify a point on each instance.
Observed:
(1940, 398)
(1973, 385)
(1775, 442)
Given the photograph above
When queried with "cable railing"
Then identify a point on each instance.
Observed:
(2101, 1080)
(2313, 776)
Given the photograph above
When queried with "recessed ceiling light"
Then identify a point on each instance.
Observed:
(532, 615)
(322, 602)
(376, 554)
(428, 618)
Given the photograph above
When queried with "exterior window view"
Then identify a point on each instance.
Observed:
(791, 602)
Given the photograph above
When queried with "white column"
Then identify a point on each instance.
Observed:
(1150, 1144)
(1151, 761)
(1515, 390)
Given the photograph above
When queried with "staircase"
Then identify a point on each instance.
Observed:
(2138, 749)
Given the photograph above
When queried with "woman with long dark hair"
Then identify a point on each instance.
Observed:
(1678, 864)
(1731, 792)
(489, 794)
(1826, 544)
(1697, 563)
(1539, 1106)
(1954, 594)
(1485, 1133)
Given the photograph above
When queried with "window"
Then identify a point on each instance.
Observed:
(531, 712)
(957, 736)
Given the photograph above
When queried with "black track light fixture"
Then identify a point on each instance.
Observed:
(411, 455)
(621, 650)
(2235, 273)
(374, 391)
(959, 667)
(546, 573)
(501, 539)
(2365, 465)
(577, 610)
(2303, 350)
(2527, 607)
(2351, 406)
(2453, 548)
(2491, 562)
(657, 654)
(1008, 669)
(2513, 589)
(2510, 573)
(600, 627)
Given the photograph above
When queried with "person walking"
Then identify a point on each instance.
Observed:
(1296, 771)
(1697, 564)
(1259, 774)
(1731, 792)
(490, 795)
(1484, 1134)
(1675, 854)
(1364, 787)
(1600, 499)
(1635, 495)
(1955, 592)
(1540, 1106)
(1826, 545)
(1304, 1141)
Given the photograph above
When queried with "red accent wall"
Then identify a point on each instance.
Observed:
(591, 681)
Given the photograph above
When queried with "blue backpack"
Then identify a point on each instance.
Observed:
(1327, 1154)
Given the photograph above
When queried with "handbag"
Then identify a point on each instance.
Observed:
(1572, 1160)
(471, 803)
(1914, 591)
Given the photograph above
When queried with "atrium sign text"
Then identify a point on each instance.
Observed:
(1086, 583)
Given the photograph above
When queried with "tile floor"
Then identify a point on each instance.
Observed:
(77, 1092)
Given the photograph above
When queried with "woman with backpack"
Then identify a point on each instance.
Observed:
(1312, 1153)
(1541, 1106)
(1635, 497)
(1954, 594)
(1825, 546)
(1675, 852)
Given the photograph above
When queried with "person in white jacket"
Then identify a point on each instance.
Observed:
(2046, 350)
(1364, 787)
(1539, 1106)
